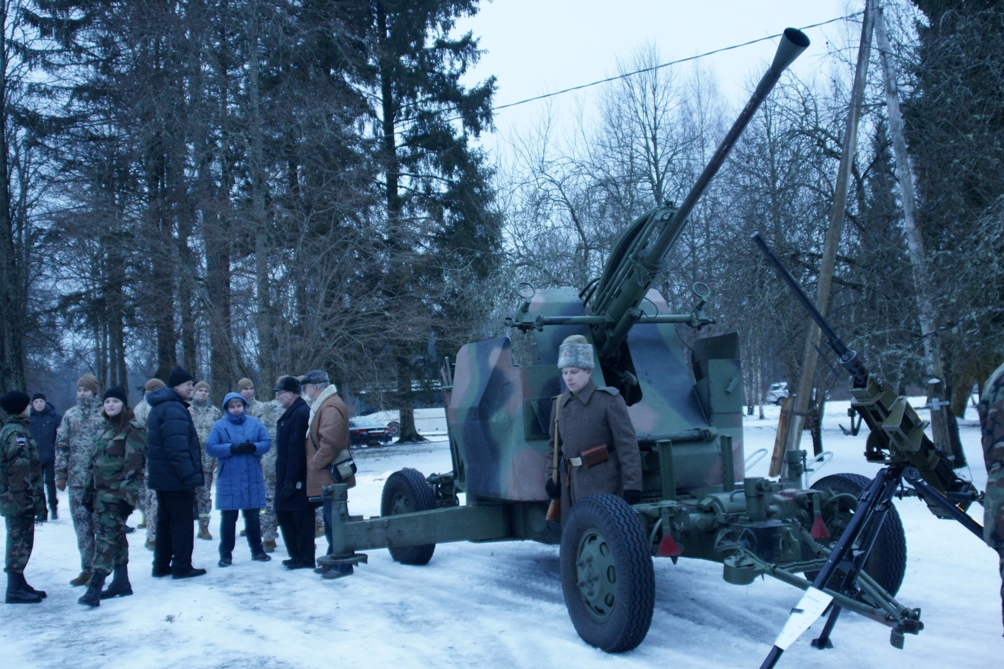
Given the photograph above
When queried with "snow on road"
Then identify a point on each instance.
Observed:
(491, 605)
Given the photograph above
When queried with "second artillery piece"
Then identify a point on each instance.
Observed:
(696, 503)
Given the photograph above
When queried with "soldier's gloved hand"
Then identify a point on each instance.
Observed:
(287, 491)
(125, 508)
(553, 489)
(632, 496)
(61, 484)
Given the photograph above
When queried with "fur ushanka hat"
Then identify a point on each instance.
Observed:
(575, 351)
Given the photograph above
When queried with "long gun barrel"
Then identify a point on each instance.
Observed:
(629, 276)
(897, 433)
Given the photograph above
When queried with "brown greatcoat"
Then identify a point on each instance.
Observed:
(591, 417)
(327, 436)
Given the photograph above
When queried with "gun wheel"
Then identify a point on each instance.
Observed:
(606, 573)
(887, 562)
(407, 491)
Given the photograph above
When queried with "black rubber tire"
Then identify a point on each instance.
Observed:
(634, 576)
(887, 562)
(416, 494)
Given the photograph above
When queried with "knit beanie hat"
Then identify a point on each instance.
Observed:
(88, 381)
(177, 377)
(37, 396)
(14, 402)
(575, 351)
(118, 392)
(201, 384)
(244, 383)
(153, 384)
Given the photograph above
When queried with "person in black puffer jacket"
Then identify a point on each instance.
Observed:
(174, 470)
(43, 425)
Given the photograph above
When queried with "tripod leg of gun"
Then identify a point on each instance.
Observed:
(864, 525)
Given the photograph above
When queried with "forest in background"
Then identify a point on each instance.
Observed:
(251, 188)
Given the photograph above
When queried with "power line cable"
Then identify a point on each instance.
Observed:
(598, 82)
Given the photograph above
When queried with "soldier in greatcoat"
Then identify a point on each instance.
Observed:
(598, 449)
(991, 410)
(115, 478)
(204, 416)
(74, 440)
(21, 495)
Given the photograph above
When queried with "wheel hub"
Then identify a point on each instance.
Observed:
(400, 505)
(596, 575)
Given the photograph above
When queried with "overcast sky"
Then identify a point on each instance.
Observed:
(540, 46)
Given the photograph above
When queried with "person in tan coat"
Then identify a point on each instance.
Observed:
(327, 444)
(596, 439)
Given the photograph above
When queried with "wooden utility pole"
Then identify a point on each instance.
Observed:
(925, 305)
(828, 260)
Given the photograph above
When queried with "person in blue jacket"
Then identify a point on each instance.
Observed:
(238, 441)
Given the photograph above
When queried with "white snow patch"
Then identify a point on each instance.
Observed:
(488, 605)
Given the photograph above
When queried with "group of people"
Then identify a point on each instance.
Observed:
(269, 461)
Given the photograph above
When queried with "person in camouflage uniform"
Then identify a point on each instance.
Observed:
(114, 480)
(74, 441)
(147, 497)
(21, 495)
(269, 414)
(204, 416)
(991, 410)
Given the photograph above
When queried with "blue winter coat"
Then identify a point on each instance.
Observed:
(239, 481)
(173, 456)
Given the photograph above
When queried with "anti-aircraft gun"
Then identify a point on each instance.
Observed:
(696, 500)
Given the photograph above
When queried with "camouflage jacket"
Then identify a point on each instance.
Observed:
(204, 416)
(117, 464)
(75, 440)
(20, 472)
(991, 410)
(141, 412)
(269, 414)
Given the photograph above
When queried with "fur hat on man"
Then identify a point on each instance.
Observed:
(290, 383)
(575, 351)
(152, 385)
(14, 402)
(88, 381)
(177, 377)
(244, 383)
(118, 392)
(201, 384)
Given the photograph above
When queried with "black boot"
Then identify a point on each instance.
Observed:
(93, 595)
(52, 513)
(17, 593)
(40, 593)
(120, 586)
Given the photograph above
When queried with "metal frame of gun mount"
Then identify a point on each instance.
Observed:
(896, 439)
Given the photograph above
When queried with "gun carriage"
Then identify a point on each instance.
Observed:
(697, 501)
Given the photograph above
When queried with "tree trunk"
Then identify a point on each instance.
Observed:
(266, 343)
(12, 297)
(935, 381)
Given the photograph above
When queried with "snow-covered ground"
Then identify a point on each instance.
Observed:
(491, 605)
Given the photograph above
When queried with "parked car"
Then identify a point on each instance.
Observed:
(777, 392)
(366, 431)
